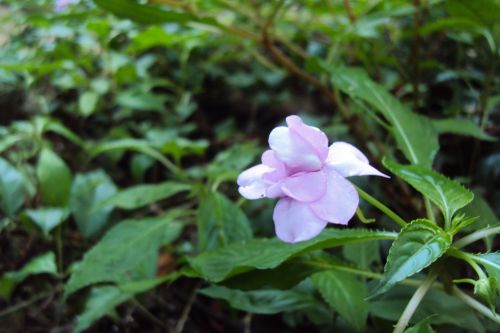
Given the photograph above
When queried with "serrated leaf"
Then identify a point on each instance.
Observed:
(345, 294)
(417, 246)
(266, 301)
(87, 193)
(54, 178)
(143, 195)
(462, 127)
(220, 222)
(408, 127)
(128, 252)
(44, 263)
(447, 194)
(11, 188)
(47, 218)
(222, 263)
(101, 301)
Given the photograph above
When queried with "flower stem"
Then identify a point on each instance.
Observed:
(380, 206)
(476, 305)
(412, 305)
(477, 236)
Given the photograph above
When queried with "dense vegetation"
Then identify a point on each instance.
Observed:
(125, 124)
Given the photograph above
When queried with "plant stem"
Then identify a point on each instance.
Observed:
(430, 211)
(414, 302)
(469, 258)
(476, 305)
(480, 234)
(380, 206)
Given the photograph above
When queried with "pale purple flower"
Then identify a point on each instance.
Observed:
(308, 177)
(61, 5)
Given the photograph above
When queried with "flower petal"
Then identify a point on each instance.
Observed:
(350, 161)
(279, 173)
(305, 187)
(313, 135)
(339, 203)
(293, 150)
(295, 222)
(251, 184)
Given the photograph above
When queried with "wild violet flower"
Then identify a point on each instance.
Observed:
(308, 177)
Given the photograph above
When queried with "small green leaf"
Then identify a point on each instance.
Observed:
(143, 195)
(486, 288)
(461, 127)
(101, 302)
(45, 263)
(128, 252)
(87, 103)
(266, 301)
(237, 258)
(345, 294)
(47, 218)
(490, 261)
(447, 194)
(87, 193)
(417, 246)
(220, 222)
(54, 177)
(423, 326)
(408, 127)
(11, 188)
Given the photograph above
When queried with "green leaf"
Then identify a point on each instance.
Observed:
(417, 246)
(345, 294)
(87, 103)
(128, 252)
(447, 194)
(490, 261)
(266, 301)
(143, 195)
(222, 263)
(408, 128)
(87, 193)
(462, 127)
(101, 302)
(54, 177)
(486, 288)
(481, 11)
(220, 222)
(47, 218)
(423, 326)
(11, 188)
(487, 217)
(45, 263)
(362, 254)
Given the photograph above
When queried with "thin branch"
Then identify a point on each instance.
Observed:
(380, 206)
(187, 309)
(475, 236)
(473, 303)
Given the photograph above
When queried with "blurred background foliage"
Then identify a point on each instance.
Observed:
(119, 119)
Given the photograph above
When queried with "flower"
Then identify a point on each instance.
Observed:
(308, 177)
(61, 5)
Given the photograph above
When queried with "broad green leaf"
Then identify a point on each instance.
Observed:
(87, 193)
(441, 307)
(143, 195)
(417, 246)
(87, 103)
(54, 177)
(222, 263)
(481, 11)
(423, 326)
(137, 99)
(45, 263)
(101, 302)
(47, 218)
(490, 261)
(462, 127)
(11, 188)
(56, 127)
(447, 194)
(220, 222)
(345, 294)
(408, 128)
(362, 254)
(266, 301)
(128, 252)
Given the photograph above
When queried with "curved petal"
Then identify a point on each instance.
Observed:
(251, 184)
(279, 173)
(305, 187)
(313, 135)
(293, 150)
(350, 161)
(339, 203)
(295, 222)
